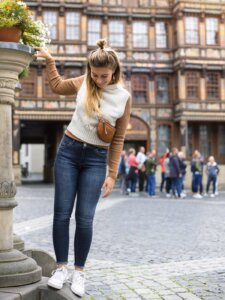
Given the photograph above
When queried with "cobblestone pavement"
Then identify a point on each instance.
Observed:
(142, 248)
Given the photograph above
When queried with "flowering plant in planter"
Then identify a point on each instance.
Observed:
(14, 13)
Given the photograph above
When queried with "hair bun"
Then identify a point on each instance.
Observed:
(101, 43)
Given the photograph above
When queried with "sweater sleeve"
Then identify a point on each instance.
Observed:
(116, 145)
(60, 86)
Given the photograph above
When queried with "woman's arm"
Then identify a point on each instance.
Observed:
(57, 84)
(116, 145)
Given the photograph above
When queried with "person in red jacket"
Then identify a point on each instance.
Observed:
(161, 162)
(133, 171)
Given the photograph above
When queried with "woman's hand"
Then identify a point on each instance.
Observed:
(42, 52)
(108, 186)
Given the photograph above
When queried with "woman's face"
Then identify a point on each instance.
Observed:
(101, 76)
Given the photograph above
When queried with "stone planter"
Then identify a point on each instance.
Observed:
(10, 34)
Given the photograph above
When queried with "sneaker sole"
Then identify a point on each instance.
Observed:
(76, 293)
(55, 286)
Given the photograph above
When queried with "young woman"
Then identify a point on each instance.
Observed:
(212, 171)
(80, 165)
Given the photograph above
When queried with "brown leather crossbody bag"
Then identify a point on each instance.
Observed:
(105, 130)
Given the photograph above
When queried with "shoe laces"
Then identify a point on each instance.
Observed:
(60, 272)
(78, 277)
(57, 270)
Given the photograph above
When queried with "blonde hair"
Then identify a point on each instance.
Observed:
(101, 57)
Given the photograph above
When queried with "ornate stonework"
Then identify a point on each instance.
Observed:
(8, 84)
(7, 189)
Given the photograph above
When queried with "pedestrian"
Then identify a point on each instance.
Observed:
(141, 157)
(81, 160)
(183, 167)
(197, 171)
(175, 173)
(212, 171)
(133, 171)
(122, 172)
(167, 174)
(150, 165)
(161, 162)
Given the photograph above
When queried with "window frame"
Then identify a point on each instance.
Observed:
(185, 31)
(100, 32)
(32, 78)
(66, 26)
(197, 84)
(218, 32)
(146, 78)
(147, 34)
(57, 22)
(167, 77)
(166, 34)
(122, 34)
(218, 86)
(171, 126)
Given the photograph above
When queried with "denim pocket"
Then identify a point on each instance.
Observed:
(101, 152)
(66, 141)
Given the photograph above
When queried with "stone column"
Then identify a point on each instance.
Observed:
(15, 268)
(184, 136)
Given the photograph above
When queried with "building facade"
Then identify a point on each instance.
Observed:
(172, 53)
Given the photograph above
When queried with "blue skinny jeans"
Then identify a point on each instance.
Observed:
(80, 171)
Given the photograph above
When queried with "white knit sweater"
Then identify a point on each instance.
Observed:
(112, 106)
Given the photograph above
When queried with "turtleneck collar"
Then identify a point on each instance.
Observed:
(111, 87)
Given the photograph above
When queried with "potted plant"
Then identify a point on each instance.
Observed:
(17, 25)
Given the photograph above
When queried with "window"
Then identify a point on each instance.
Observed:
(29, 84)
(94, 31)
(192, 85)
(139, 85)
(161, 39)
(221, 139)
(116, 33)
(191, 27)
(144, 3)
(162, 90)
(204, 140)
(140, 34)
(50, 19)
(47, 92)
(212, 31)
(115, 2)
(212, 85)
(72, 26)
(164, 138)
(99, 2)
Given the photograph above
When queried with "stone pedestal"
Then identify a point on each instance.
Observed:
(15, 268)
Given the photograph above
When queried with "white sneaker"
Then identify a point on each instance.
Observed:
(59, 277)
(212, 195)
(78, 281)
(168, 195)
(198, 196)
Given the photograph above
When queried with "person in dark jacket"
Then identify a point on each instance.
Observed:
(197, 164)
(175, 172)
(122, 172)
(150, 165)
(212, 171)
(183, 167)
